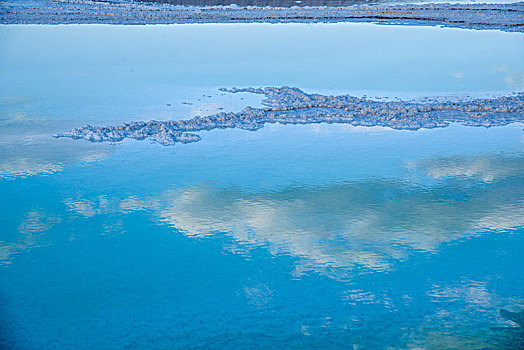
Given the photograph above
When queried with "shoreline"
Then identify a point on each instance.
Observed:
(488, 16)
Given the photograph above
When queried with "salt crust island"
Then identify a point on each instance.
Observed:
(506, 17)
(286, 105)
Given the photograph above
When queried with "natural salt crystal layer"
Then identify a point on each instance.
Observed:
(286, 105)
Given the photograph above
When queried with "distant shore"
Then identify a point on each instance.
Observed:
(506, 17)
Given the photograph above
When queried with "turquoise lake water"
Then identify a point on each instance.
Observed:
(293, 236)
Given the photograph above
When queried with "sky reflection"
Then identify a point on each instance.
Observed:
(168, 246)
(337, 230)
(309, 236)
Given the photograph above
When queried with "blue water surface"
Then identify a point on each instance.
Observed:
(297, 236)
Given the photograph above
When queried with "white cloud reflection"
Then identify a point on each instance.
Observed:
(24, 167)
(34, 224)
(341, 229)
(28, 149)
(486, 168)
(335, 230)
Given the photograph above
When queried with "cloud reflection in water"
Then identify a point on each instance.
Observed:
(28, 150)
(335, 230)
(34, 224)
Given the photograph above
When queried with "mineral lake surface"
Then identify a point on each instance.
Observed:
(354, 186)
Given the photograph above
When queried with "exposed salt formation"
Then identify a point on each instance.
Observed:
(507, 17)
(287, 105)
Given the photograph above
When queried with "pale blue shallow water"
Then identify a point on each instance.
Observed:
(320, 236)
